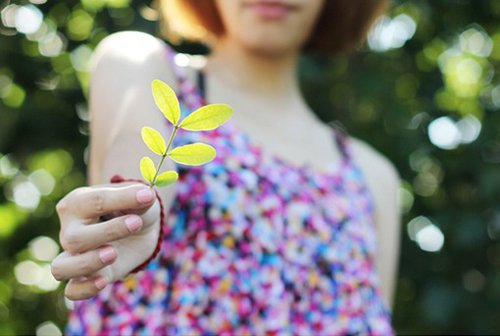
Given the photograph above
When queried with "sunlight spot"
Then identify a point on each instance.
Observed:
(28, 19)
(26, 195)
(7, 167)
(405, 199)
(47, 282)
(444, 133)
(476, 42)
(39, 34)
(28, 272)
(427, 235)
(43, 181)
(468, 71)
(470, 128)
(430, 238)
(44, 248)
(48, 328)
(181, 60)
(80, 58)
(415, 225)
(52, 44)
(495, 96)
(393, 33)
(9, 15)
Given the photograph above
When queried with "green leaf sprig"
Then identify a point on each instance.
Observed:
(206, 118)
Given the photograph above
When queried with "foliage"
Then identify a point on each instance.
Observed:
(205, 118)
(425, 91)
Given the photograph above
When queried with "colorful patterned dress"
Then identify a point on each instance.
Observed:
(253, 246)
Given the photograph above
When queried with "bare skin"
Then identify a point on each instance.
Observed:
(257, 77)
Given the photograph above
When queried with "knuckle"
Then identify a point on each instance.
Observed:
(96, 201)
(56, 271)
(62, 206)
(71, 241)
(71, 293)
(89, 265)
(115, 229)
(68, 293)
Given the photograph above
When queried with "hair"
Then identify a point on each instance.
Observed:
(341, 27)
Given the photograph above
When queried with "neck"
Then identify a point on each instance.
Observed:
(243, 69)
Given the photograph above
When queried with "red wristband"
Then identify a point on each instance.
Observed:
(118, 179)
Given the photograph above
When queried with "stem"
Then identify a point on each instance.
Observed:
(169, 143)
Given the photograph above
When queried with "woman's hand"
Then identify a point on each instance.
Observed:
(106, 231)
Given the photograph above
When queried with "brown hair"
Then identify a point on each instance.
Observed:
(341, 27)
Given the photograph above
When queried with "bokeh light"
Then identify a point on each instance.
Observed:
(28, 19)
(28, 273)
(48, 328)
(444, 133)
(44, 248)
(427, 235)
(26, 195)
(391, 33)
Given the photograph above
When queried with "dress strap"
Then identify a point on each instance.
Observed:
(185, 89)
(200, 78)
(180, 76)
(341, 139)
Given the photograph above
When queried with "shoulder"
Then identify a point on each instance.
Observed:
(381, 177)
(133, 47)
(123, 65)
(130, 58)
(377, 168)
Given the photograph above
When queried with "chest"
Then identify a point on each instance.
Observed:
(261, 200)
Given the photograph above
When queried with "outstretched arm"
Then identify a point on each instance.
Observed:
(108, 230)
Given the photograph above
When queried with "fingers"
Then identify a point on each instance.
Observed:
(93, 202)
(81, 289)
(67, 266)
(80, 238)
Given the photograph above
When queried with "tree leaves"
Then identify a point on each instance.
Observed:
(153, 139)
(193, 154)
(166, 100)
(207, 118)
(148, 170)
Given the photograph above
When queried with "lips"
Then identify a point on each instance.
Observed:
(270, 9)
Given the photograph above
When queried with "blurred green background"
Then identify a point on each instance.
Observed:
(425, 91)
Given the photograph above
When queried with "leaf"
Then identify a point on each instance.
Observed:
(166, 100)
(148, 170)
(207, 118)
(193, 154)
(153, 139)
(167, 178)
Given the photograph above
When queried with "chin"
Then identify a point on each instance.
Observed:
(272, 47)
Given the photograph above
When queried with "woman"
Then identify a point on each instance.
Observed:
(277, 235)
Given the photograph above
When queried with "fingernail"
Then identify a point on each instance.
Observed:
(100, 282)
(107, 254)
(133, 223)
(144, 196)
